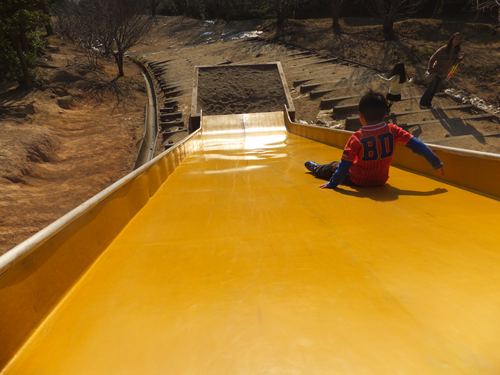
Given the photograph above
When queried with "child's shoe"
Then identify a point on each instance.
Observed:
(311, 166)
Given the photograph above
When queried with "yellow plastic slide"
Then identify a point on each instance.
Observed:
(240, 264)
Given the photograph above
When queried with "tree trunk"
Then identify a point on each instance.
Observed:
(336, 27)
(154, 6)
(48, 25)
(49, 29)
(388, 29)
(436, 9)
(281, 21)
(28, 82)
(25, 44)
(335, 19)
(281, 10)
(119, 62)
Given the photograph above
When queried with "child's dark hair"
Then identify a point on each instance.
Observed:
(373, 106)
(457, 47)
(399, 69)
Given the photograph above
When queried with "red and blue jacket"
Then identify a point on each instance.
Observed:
(368, 154)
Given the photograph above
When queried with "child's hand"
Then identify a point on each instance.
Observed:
(323, 186)
(440, 171)
(410, 80)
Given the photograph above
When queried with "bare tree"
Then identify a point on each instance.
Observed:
(127, 26)
(153, 5)
(110, 27)
(388, 11)
(486, 6)
(337, 6)
(64, 18)
(439, 4)
(283, 8)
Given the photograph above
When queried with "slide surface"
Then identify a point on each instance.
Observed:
(240, 264)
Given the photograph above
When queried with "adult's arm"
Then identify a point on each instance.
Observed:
(435, 57)
(420, 148)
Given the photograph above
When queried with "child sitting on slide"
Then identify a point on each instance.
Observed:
(368, 153)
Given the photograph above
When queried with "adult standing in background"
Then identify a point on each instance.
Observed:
(440, 65)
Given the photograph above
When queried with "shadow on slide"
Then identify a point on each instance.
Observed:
(386, 193)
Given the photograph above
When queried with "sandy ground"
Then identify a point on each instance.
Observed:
(240, 89)
(62, 145)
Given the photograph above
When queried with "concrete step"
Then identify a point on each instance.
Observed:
(171, 126)
(170, 116)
